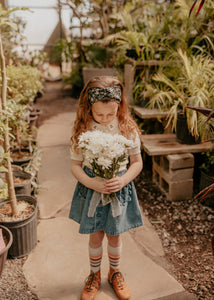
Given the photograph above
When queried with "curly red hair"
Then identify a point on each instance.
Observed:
(84, 118)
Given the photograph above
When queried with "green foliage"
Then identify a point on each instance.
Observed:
(96, 55)
(24, 82)
(191, 85)
(208, 162)
(62, 50)
(75, 80)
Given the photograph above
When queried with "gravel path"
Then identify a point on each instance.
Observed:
(13, 285)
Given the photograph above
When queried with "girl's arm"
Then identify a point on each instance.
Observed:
(116, 184)
(97, 184)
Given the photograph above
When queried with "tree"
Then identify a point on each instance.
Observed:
(4, 20)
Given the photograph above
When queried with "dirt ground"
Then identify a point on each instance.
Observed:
(183, 227)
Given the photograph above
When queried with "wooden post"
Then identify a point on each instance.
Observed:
(129, 71)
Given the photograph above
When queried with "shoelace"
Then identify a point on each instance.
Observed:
(90, 283)
(119, 281)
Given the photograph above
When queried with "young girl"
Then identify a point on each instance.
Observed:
(103, 107)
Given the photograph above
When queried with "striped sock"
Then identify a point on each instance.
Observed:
(114, 256)
(95, 257)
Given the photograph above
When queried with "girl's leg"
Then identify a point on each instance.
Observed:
(95, 250)
(114, 251)
(95, 256)
(115, 277)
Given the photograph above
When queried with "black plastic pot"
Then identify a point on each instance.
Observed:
(22, 161)
(24, 231)
(183, 134)
(33, 121)
(3, 254)
(23, 188)
(131, 53)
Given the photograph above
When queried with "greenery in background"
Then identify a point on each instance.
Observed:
(19, 87)
(61, 50)
(140, 31)
(75, 80)
(189, 83)
(208, 162)
(24, 83)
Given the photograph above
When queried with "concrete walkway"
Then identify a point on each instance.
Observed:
(58, 266)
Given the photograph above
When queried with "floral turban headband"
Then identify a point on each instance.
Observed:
(113, 92)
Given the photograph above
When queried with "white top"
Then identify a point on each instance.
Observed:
(114, 129)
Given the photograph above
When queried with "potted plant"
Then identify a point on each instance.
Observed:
(188, 82)
(24, 83)
(18, 214)
(6, 239)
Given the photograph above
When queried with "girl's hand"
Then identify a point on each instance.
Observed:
(114, 185)
(98, 184)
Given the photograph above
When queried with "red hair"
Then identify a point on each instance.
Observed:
(127, 125)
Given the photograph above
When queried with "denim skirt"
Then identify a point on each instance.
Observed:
(102, 219)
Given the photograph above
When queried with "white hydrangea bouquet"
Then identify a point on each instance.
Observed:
(104, 152)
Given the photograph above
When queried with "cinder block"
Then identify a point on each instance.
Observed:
(173, 175)
(174, 190)
(180, 161)
(180, 190)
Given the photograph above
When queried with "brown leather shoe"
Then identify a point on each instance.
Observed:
(116, 280)
(91, 287)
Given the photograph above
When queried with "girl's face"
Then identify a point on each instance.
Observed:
(104, 112)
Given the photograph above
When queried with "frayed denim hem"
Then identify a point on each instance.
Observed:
(106, 231)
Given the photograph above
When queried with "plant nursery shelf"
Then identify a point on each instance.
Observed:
(164, 144)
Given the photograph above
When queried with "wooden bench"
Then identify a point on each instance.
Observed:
(146, 113)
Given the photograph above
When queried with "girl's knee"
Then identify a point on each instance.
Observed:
(96, 239)
(114, 240)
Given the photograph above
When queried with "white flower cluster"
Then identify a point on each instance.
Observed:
(103, 148)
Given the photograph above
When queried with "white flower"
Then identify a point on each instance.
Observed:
(104, 162)
(104, 151)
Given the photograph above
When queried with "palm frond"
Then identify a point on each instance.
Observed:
(199, 8)
(162, 78)
(126, 19)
